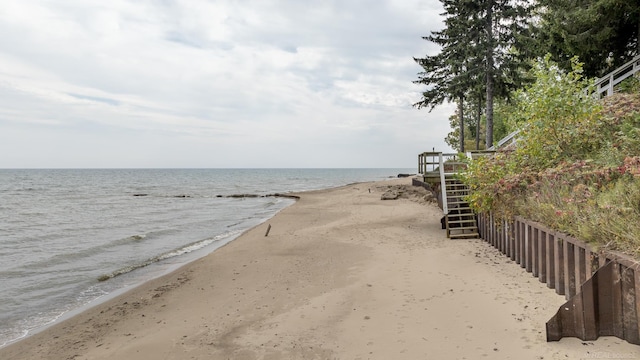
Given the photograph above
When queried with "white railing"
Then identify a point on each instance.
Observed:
(606, 84)
(443, 187)
(604, 87)
(509, 139)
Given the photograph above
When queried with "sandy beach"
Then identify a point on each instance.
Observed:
(342, 274)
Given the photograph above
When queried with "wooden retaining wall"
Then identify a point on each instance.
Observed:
(602, 288)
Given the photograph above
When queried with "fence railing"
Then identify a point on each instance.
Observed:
(602, 288)
(605, 86)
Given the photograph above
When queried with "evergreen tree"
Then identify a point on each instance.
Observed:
(602, 33)
(482, 51)
(449, 74)
(507, 45)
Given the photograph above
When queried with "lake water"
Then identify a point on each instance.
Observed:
(69, 237)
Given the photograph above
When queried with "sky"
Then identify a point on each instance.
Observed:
(216, 84)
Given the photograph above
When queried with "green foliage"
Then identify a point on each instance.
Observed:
(470, 129)
(483, 51)
(486, 179)
(555, 115)
(576, 167)
(630, 85)
(603, 33)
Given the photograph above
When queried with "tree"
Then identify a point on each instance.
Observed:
(472, 128)
(602, 33)
(483, 50)
(507, 50)
(449, 74)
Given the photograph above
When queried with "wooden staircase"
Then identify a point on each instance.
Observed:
(440, 171)
(460, 221)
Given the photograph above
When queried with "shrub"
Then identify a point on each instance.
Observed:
(576, 166)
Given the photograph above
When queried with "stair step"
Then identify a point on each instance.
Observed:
(464, 236)
(460, 222)
(460, 218)
(457, 213)
(466, 228)
(467, 217)
(460, 212)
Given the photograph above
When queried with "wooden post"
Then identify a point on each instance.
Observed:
(551, 268)
(542, 256)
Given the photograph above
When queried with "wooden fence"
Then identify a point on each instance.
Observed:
(602, 288)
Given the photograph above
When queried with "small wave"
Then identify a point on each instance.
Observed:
(167, 255)
(123, 241)
(137, 237)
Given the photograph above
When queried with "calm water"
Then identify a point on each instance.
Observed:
(62, 231)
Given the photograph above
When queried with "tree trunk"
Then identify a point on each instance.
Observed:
(489, 72)
(461, 118)
(478, 116)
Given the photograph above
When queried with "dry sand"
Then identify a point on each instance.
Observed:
(342, 275)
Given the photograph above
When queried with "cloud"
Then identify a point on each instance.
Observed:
(215, 84)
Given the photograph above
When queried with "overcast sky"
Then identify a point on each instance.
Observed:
(215, 83)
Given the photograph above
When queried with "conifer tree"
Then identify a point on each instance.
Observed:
(507, 45)
(447, 74)
(602, 33)
(482, 48)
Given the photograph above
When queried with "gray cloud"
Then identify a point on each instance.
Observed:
(195, 83)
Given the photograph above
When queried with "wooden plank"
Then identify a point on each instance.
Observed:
(528, 237)
(542, 256)
(487, 231)
(505, 238)
(593, 263)
(490, 230)
(494, 235)
(519, 237)
(563, 323)
(512, 231)
(554, 327)
(499, 234)
(590, 310)
(629, 313)
(505, 234)
(558, 263)
(636, 279)
(602, 259)
(605, 299)
(578, 317)
(581, 275)
(569, 269)
(616, 300)
(501, 243)
(534, 250)
(551, 269)
(484, 227)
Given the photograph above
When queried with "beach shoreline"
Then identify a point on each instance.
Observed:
(341, 275)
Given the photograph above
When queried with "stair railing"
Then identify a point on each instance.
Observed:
(443, 188)
(605, 87)
(606, 84)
